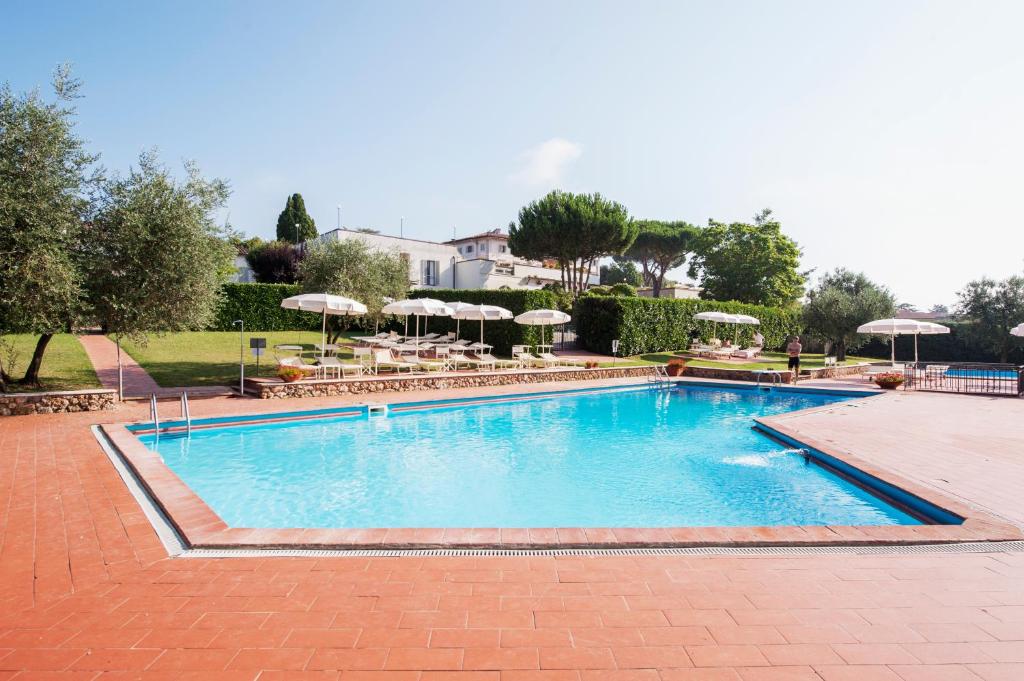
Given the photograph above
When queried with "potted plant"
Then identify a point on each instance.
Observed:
(676, 366)
(889, 380)
(590, 364)
(290, 374)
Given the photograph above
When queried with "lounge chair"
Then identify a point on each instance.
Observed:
(429, 364)
(565, 361)
(456, 358)
(532, 360)
(499, 363)
(747, 353)
(722, 353)
(383, 359)
(338, 368)
(296, 363)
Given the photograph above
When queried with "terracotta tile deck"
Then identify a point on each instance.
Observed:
(86, 592)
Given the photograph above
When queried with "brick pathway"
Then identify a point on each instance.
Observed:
(86, 592)
(102, 353)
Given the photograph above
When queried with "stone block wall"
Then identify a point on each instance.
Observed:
(274, 389)
(17, 404)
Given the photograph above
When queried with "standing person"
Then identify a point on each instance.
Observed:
(793, 349)
(758, 340)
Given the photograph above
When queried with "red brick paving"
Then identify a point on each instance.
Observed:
(86, 592)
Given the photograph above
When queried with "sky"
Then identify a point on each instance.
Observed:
(887, 137)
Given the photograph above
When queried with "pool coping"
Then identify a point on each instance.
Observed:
(199, 527)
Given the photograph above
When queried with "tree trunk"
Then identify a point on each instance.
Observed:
(656, 287)
(840, 349)
(32, 373)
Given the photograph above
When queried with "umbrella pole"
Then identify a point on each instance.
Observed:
(892, 360)
(457, 322)
(417, 335)
(481, 333)
(915, 348)
(323, 334)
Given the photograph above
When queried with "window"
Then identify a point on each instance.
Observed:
(469, 248)
(483, 246)
(502, 249)
(430, 272)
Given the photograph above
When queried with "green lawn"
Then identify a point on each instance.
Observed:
(211, 357)
(65, 364)
(769, 360)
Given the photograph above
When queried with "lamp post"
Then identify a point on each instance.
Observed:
(339, 216)
(241, 355)
(296, 234)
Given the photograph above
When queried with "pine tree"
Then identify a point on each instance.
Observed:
(294, 213)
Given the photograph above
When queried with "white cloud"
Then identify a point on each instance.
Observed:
(545, 164)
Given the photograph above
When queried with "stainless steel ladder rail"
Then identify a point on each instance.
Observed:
(154, 415)
(660, 379)
(186, 414)
(776, 377)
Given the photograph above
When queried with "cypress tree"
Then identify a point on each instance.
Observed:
(294, 213)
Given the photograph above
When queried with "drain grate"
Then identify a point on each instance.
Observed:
(886, 549)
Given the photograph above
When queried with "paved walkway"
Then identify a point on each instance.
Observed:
(86, 592)
(102, 353)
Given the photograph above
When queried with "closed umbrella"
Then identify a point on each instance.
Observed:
(325, 304)
(483, 313)
(543, 318)
(899, 327)
(418, 307)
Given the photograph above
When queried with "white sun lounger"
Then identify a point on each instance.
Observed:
(383, 359)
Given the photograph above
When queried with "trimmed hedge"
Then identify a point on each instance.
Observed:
(501, 334)
(644, 325)
(259, 306)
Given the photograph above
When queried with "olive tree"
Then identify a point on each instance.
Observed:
(46, 181)
(349, 267)
(154, 257)
(576, 230)
(992, 308)
(842, 301)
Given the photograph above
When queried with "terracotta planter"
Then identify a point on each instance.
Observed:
(675, 367)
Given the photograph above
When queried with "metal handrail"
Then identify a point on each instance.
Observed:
(154, 415)
(185, 413)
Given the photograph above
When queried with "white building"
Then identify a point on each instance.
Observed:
(477, 261)
(682, 290)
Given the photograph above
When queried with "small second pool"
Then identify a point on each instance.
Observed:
(624, 458)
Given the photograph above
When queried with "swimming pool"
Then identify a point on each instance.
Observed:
(622, 458)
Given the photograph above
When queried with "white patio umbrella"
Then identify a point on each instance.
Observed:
(900, 327)
(418, 307)
(717, 317)
(542, 318)
(743, 319)
(1017, 330)
(456, 307)
(483, 313)
(325, 304)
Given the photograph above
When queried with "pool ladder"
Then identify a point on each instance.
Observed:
(186, 414)
(775, 375)
(660, 378)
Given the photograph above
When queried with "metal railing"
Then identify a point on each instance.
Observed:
(154, 415)
(186, 415)
(967, 378)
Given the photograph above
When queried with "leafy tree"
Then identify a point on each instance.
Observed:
(939, 308)
(350, 268)
(46, 178)
(274, 262)
(154, 259)
(842, 301)
(993, 308)
(294, 213)
(751, 263)
(906, 307)
(576, 230)
(621, 272)
(660, 247)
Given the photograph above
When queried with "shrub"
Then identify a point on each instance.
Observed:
(501, 334)
(290, 374)
(623, 289)
(259, 306)
(889, 381)
(645, 325)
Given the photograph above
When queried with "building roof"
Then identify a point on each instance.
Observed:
(493, 234)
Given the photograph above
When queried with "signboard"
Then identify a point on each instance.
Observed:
(615, 346)
(257, 352)
(257, 343)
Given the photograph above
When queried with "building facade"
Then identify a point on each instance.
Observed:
(478, 261)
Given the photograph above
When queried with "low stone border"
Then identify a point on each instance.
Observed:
(728, 374)
(58, 402)
(272, 388)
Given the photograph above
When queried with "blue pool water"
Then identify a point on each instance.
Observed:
(640, 458)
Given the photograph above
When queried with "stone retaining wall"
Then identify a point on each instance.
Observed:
(272, 388)
(733, 374)
(17, 404)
